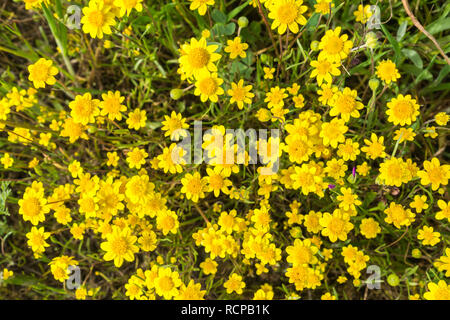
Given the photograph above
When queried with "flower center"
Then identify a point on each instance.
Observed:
(334, 45)
(119, 246)
(208, 86)
(40, 72)
(239, 94)
(346, 103)
(324, 67)
(336, 225)
(216, 181)
(32, 207)
(166, 283)
(194, 186)
(96, 18)
(198, 58)
(402, 109)
(287, 13)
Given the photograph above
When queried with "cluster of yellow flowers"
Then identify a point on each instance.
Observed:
(129, 209)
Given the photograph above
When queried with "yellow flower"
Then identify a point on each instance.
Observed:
(439, 291)
(59, 267)
(113, 159)
(167, 221)
(369, 228)
(333, 46)
(336, 226)
(126, 6)
(191, 292)
(111, 105)
(217, 181)
(428, 236)
(344, 103)
(348, 150)
(441, 118)
(84, 109)
(323, 70)
(31, 4)
(393, 172)
(240, 94)
(402, 110)
(136, 119)
(445, 210)
(430, 132)
(197, 58)
(268, 72)
(36, 240)
(119, 246)
(287, 14)
(208, 87)
(75, 168)
(443, 263)
(6, 274)
(328, 296)
(307, 179)
(404, 134)
(97, 19)
(234, 283)
(174, 126)
(42, 72)
(136, 158)
(348, 200)
(336, 168)
(236, 48)
(209, 266)
(6, 160)
(333, 132)
(275, 97)
(301, 253)
(374, 147)
(323, 6)
(73, 130)
(148, 241)
(33, 206)
(171, 160)
(398, 216)
(200, 5)
(167, 283)
(434, 173)
(387, 71)
(194, 186)
(363, 13)
(363, 169)
(419, 203)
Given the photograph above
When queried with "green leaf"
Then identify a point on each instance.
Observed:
(230, 28)
(219, 16)
(445, 70)
(402, 30)
(393, 42)
(439, 26)
(236, 10)
(414, 57)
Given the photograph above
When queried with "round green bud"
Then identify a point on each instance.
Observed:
(265, 58)
(393, 280)
(176, 94)
(416, 253)
(242, 22)
(315, 45)
(373, 84)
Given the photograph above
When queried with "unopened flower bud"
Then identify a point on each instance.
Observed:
(373, 84)
(176, 94)
(242, 22)
(315, 45)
